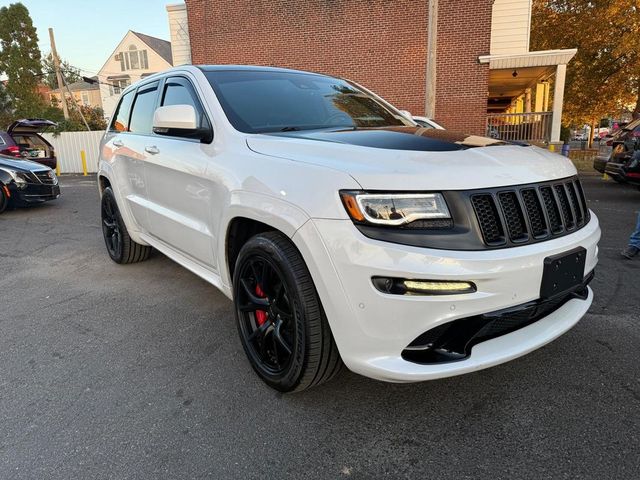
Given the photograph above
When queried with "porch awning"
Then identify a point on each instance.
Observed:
(544, 58)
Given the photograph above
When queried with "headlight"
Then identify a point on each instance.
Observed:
(395, 209)
(20, 178)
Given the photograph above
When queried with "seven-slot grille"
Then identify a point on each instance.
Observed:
(530, 213)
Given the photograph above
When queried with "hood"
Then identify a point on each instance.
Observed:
(21, 165)
(398, 138)
(410, 158)
(30, 125)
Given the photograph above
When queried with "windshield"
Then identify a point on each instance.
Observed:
(266, 101)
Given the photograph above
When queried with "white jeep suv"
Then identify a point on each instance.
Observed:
(343, 231)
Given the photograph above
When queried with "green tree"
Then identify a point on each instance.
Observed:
(604, 77)
(20, 60)
(6, 110)
(71, 73)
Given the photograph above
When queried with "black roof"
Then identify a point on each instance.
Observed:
(161, 47)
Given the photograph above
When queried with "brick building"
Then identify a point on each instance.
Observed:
(486, 80)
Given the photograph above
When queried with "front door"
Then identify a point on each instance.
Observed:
(178, 189)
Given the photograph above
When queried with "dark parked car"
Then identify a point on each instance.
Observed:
(624, 164)
(22, 140)
(609, 143)
(23, 182)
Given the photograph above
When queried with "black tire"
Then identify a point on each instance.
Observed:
(119, 245)
(280, 319)
(4, 200)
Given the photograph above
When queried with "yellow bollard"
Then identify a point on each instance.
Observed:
(58, 168)
(605, 176)
(552, 147)
(83, 155)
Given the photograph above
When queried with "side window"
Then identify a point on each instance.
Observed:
(143, 109)
(120, 122)
(178, 91)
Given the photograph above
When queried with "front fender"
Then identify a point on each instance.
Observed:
(275, 212)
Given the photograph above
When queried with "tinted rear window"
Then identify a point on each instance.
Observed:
(267, 101)
(143, 109)
(120, 122)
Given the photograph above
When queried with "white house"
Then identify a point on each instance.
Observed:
(136, 56)
(520, 81)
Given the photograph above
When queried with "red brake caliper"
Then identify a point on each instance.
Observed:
(261, 315)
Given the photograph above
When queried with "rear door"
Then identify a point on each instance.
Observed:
(125, 150)
(180, 194)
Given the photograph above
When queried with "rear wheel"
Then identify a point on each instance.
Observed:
(116, 237)
(282, 326)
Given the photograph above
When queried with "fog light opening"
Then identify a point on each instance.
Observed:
(403, 286)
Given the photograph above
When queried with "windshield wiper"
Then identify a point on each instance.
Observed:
(290, 129)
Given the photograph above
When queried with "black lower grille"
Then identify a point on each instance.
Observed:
(516, 215)
(454, 340)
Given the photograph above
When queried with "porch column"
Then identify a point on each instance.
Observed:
(558, 99)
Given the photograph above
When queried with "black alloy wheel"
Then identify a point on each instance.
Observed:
(120, 246)
(267, 318)
(282, 326)
(111, 228)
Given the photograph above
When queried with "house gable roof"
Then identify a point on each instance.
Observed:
(151, 42)
(161, 47)
(81, 85)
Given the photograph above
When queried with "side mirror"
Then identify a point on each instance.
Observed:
(407, 114)
(179, 121)
(174, 117)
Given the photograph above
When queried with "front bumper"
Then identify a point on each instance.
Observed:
(33, 193)
(372, 329)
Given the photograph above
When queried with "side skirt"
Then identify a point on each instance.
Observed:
(190, 264)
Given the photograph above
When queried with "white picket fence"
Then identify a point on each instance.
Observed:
(68, 145)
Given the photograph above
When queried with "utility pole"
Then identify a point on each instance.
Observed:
(56, 64)
(75, 104)
(432, 44)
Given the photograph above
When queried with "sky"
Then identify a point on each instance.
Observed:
(87, 32)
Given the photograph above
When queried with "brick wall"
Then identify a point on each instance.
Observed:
(379, 43)
(464, 33)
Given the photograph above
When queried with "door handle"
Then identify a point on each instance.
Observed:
(152, 149)
(118, 143)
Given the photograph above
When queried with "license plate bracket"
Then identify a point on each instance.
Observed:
(563, 272)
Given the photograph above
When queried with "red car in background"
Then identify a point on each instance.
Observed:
(23, 140)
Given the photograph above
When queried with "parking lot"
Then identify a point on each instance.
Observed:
(137, 371)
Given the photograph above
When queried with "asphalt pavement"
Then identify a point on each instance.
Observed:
(136, 372)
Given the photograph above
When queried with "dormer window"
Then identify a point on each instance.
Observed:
(133, 59)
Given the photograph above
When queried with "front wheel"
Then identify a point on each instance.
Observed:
(120, 246)
(282, 326)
